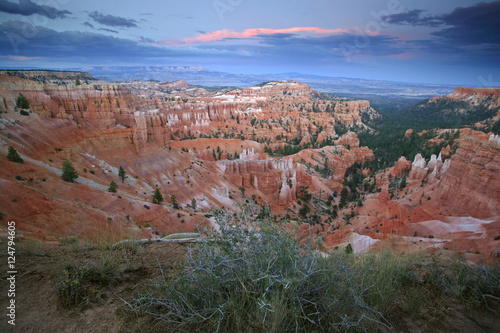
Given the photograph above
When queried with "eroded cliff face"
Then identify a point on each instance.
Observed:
(488, 98)
(279, 89)
(471, 185)
(191, 144)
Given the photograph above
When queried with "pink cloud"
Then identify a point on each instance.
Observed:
(249, 33)
(19, 58)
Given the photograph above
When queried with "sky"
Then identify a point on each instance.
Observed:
(425, 41)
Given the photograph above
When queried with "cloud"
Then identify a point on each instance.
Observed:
(18, 58)
(44, 42)
(473, 25)
(478, 24)
(413, 17)
(250, 33)
(87, 24)
(113, 21)
(27, 8)
(108, 30)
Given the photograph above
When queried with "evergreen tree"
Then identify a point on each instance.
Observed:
(193, 203)
(22, 102)
(176, 206)
(13, 156)
(403, 183)
(69, 173)
(122, 174)
(343, 197)
(112, 187)
(157, 197)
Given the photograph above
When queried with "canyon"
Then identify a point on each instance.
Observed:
(279, 144)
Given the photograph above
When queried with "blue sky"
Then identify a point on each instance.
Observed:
(453, 42)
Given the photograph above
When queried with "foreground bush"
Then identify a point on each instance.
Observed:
(257, 277)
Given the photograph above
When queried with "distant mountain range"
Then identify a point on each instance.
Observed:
(350, 87)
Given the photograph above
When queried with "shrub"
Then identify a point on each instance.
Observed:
(79, 283)
(22, 102)
(24, 113)
(261, 278)
(13, 155)
(112, 187)
(255, 274)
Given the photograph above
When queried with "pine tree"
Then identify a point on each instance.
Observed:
(22, 102)
(174, 202)
(157, 197)
(402, 185)
(122, 174)
(193, 203)
(112, 187)
(13, 156)
(69, 173)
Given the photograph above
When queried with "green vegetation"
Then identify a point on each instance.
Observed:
(389, 142)
(258, 275)
(157, 197)
(80, 283)
(174, 202)
(122, 174)
(69, 173)
(13, 155)
(22, 102)
(112, 187)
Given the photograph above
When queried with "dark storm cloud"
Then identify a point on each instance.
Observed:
(478, 24)
(113, 21)
(40, 41)
(24, 39)
(413, 17)
(27, 8)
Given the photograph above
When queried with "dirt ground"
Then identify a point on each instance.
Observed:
(39, 271)
(40, 267)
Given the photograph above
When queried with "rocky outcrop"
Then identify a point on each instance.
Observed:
(180, 84)
(471, 185)
(474, 99)
(462, 92)
(350, 139)
(50, 76)
(259, 175)
(279, 89)
(418, 168)
(402, 166)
